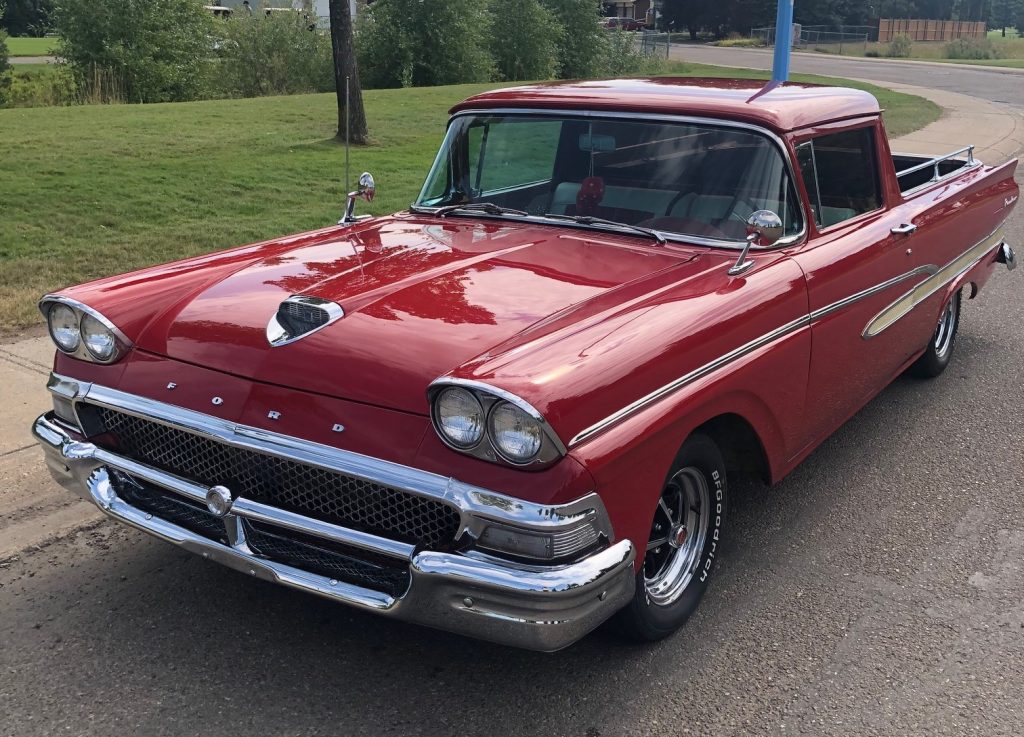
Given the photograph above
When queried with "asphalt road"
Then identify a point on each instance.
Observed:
(876, 591)
(1004, 86)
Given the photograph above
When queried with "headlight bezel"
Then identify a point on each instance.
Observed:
(121, 343)
(486, 448)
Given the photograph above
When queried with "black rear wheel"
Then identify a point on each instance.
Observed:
(683, 543)
(940, 350)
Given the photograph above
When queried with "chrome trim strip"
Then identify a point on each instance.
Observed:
(689, 378)
(929, 269)
(939, 279)
(476, 505)
(81, 352)
(277, 335)
(688, 119)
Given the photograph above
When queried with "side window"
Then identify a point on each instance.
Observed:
(840, 173)
(512, 154)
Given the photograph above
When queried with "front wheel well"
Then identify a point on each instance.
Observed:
(740, 444)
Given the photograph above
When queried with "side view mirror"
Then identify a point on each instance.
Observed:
(764, 228)
(365, 190)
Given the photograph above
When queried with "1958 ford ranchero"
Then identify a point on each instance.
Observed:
(513, 410)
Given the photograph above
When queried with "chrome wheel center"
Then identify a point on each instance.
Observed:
(678, 532)
(678, 537)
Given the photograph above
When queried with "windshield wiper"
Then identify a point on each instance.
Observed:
(488, 208)
(591, 220)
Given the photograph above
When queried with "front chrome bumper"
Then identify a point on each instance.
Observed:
(534, 607)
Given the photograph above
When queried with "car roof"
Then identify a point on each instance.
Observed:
(781, 107)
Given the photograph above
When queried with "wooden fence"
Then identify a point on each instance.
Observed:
(929, 30)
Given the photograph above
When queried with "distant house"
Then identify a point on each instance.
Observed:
(320, 8)
(639, 9)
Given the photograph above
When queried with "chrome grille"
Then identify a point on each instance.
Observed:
(328, 559)
(315, 492)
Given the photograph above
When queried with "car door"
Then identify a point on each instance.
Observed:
(857, 263)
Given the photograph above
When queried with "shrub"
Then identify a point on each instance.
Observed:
(403, 43)
(872, 54)
(523, 39)
(582, 42)
(900, 47)
(5, 74)
(620, 56)
(275, 55)
(971, 48)
(159, 49)
(739, 42)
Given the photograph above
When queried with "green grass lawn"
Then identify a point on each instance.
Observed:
(97, 190)
(31, 46)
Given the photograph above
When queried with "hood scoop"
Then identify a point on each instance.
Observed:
(299, 316)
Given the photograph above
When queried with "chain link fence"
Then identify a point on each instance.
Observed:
(824, 39)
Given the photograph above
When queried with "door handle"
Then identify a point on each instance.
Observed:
(905, 229)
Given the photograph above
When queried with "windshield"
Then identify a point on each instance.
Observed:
(678, 178)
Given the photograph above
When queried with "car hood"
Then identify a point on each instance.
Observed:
(422, 297)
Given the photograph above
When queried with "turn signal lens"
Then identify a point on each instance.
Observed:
(459, 417)
(63, 323)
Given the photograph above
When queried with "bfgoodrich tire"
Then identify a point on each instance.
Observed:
(686, 535)
(940, 349)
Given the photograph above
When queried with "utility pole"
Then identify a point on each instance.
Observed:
(783, 41)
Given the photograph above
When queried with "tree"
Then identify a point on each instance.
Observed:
(421, 43)
(27, 17)
(1005, 13)
(582, 41)
(524, 36)
(5, 77)
(351, 114)
(157, 50)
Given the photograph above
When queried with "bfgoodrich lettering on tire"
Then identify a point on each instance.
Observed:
(685, 540)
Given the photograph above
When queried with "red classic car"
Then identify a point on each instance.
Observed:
(626, 24)
(514, 410)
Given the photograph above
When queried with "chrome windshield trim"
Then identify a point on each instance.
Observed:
(787, 241)
(476, 505)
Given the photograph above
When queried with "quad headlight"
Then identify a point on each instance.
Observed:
(460, 417)
(516, 435)
(99, 340)
(488, 423)
(63, 324)
(82, 332)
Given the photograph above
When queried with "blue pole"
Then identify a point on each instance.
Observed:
(783, 41)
